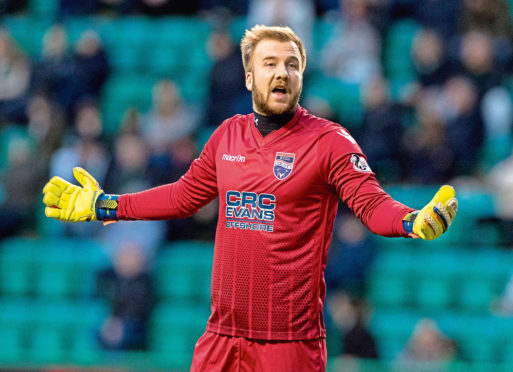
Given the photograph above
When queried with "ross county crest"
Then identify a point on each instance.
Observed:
(283, 164)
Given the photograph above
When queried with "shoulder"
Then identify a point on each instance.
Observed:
(333, 140)
(235, 121)
(325, 129)
(229, 125)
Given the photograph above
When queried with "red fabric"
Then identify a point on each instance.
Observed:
(273, 234)
(221, 353)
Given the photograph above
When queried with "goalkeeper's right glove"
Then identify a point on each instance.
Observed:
(71, 203)
(435, 218)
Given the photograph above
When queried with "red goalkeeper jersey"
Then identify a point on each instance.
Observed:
(278, 198)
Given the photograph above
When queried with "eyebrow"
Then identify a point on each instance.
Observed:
(274, 57)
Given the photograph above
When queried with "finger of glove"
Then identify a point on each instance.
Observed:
(84, 178)
(53, 213)
(452, 207)
(50, 199)
(56, 185)
(433, 227)
(443, 215)
(444, 194)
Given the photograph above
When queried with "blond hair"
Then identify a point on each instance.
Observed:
(260, 32)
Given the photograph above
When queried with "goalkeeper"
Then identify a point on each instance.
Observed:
(279, 174)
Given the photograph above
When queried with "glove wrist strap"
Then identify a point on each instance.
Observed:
(106, 207)
(408, 221)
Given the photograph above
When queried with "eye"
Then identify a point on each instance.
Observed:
(293, 65)
(270, 64)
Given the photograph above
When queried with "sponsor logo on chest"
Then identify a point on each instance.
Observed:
(234, 158)
(283, 165)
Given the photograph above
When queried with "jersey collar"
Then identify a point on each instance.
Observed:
(271, 137)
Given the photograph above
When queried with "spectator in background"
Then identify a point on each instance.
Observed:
(85, 147)
(381, 130)
(91, 66)
(129, 172)
(28, 155)
(428, 349)
(45, 126)
(15, 72)
(490, 16)
(477, 62)
(297, 14)
(128, 289)
(350, 256)
(169, 120)
(350, 316)
(53, 75)
(167, 129)
(464, 124)
(21, 182)
(353, 53)
(428, 156)
(500, 181)
(227, 92)
(429, 60)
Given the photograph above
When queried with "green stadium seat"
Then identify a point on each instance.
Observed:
(343, 98)
(387, 291)
(8, 135)
(475, 295)
(392, 330)
(27, 32)
(16, 267)
(237, 27)
(183, 272)
(174, 331)
(398, 42)
(43, 8)
(47, 344)
(11, 343)
(432, 294)
(167, 61)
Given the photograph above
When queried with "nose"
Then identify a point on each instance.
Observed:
(282, 72)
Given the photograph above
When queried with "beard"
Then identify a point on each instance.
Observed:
(260, 101)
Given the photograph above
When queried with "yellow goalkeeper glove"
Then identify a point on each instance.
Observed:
(70, 203)
(435, 218)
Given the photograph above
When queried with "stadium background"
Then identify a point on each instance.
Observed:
(50, 310)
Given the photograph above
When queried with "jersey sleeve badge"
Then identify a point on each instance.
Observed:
(360, 164)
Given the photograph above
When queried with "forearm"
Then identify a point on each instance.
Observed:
(378, 210)
(386, 219)
(162, 202)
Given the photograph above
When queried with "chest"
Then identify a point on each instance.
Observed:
(287, 167)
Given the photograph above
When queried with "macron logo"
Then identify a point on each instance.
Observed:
(234, 158)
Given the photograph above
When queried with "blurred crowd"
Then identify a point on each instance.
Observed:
(435, 108)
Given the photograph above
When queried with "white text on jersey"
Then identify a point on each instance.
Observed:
(234, 158)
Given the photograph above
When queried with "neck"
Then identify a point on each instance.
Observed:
(267, 124)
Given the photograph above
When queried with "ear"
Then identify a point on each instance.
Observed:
(249, 80)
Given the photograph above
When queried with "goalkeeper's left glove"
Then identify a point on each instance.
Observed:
(71, 203)
(435, 218)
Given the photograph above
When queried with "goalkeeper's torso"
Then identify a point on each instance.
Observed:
(278, 199)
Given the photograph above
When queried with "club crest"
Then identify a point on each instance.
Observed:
(283, 164)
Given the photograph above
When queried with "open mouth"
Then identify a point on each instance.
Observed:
(279, 90)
